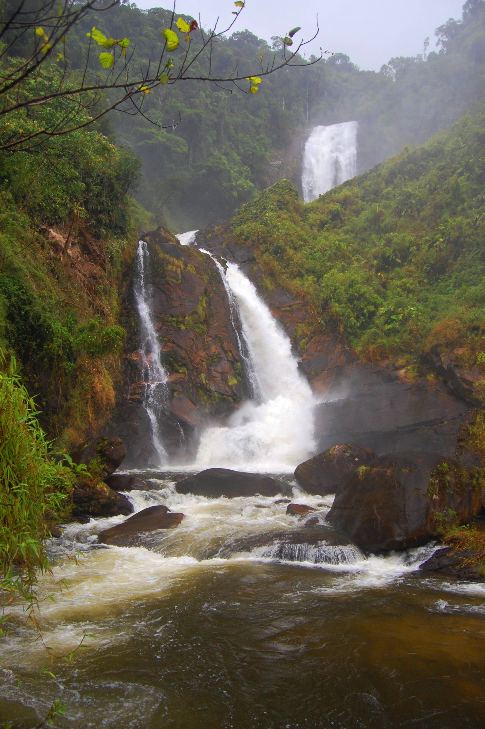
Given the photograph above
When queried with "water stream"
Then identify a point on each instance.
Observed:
(330, 158)
(227, 623)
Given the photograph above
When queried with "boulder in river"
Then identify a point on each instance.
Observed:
(404, 501)
(92, 498)
(126, 482)
(299, 509)
(217, 482)
(147, 520)
(325, 473)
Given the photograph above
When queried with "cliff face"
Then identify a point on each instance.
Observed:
(198, 345)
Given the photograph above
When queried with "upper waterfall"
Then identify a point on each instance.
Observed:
(275, 431)
(330, 158)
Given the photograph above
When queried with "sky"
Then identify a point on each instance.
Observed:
(369, 31)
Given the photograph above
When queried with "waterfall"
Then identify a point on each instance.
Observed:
(155, 378)
(187, 239)
(242, 344)
(330, 158)
(275, 431)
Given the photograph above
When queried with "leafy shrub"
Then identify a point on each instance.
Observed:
(33, 487)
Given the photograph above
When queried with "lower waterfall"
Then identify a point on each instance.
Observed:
(274, 431)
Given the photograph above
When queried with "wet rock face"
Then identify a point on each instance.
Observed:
(324, 474)
(147, 520)
(399, 502)
(109, 454)
(217, 482)
(199, 349)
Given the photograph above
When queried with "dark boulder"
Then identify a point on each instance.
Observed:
(91, 499)
(403, 501)
(147, 520)
(323, 474)
(217, 482)
(299, 509)
(448, 562)
(126, 482)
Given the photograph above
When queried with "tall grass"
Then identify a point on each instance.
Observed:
(33, 486)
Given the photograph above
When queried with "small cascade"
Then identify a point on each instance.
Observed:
(155, 378)
(275, 430)
(319, 553)
(188, 238)
(330, 158)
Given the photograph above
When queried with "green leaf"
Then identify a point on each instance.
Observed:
(106, 59)
(294, 31)
(164, 78)
(172, 39)
(239, 4)
(287, 41)
(40, 32)
(99, 37)
(183, 26)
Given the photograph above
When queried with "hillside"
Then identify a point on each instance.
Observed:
(392, 260)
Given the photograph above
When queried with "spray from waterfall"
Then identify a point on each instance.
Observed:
(155, 378)
(330, 158)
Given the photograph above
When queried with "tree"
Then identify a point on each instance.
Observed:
(37, 37)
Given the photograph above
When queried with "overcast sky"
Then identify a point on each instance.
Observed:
(369, 31)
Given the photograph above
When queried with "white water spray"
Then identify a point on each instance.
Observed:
(155, 377)
(276, 431)
(330, 158)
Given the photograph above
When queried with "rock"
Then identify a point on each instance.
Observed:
(108, 453)
(216, 482)
(91, 499)
(126, 482)
(323, 474)
(299, 509)
(403, 501)
(463, 564)
(147, 520)
(282, 501)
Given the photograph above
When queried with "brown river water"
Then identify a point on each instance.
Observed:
(188, 631)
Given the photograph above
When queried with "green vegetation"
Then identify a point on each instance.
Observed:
(393, 259)
(34, 486)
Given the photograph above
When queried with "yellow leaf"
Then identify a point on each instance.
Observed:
(172, 39)
(183, 26)
(40, 32)
(144, 89)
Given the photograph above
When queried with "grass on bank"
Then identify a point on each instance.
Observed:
(33, 486)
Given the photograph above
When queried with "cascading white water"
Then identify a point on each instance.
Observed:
(276, 431)
(242, 343)
(330, 158)
(154, 374)
(188, 238)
